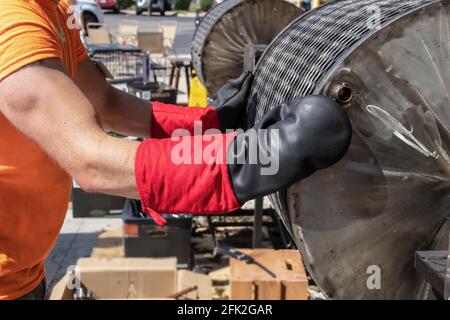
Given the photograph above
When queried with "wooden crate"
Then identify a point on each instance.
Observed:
(250, 282)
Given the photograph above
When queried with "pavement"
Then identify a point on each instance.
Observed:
(76, 240)
(185, 26)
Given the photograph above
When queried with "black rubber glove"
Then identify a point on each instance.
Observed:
(232, 101)
(314, 133)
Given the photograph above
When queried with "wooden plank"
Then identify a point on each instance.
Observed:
(241, 290)
(187, 279)
(294, 290)
(291, 282)
(268, 290)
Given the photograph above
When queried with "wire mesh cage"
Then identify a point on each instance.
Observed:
(125, 65)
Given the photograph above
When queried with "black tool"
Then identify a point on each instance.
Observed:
(238, 255)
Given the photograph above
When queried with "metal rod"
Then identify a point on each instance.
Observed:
(257, 224)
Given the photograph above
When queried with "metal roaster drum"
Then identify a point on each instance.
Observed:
(220, 40)
(387, 63)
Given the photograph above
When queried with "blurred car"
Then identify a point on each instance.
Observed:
(109, 5)
(90, 11)
(151, 6)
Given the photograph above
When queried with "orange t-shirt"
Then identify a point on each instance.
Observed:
(34, 190)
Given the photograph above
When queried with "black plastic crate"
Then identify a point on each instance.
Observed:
(94, 205)
(153, 91)
(143, 238)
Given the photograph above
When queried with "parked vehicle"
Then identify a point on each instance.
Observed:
(109, 5)
(151, 6)
(90, 11)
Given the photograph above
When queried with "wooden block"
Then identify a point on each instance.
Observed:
(290, 283)
(268, 290)
(242, 290)
(294, 290)
(187, 279)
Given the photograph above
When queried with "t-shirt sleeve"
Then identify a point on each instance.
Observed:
(25, 37)
(80, 48)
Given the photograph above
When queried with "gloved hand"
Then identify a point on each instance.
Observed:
(313, 134)
(212, 176)
(232, 101)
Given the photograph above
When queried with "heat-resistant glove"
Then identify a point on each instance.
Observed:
(217, 174)
(306, 135)
(232, 101)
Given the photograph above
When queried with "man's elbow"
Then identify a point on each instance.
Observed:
(90, 179)
(87, 185)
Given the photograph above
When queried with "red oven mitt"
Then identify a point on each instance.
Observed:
(197, 186)
(232, 102)
(167, 118)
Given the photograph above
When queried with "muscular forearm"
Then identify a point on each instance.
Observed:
(107, 166)
(126, 114)
(98, 162)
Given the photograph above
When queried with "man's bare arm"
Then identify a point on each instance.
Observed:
(46, 105)
(117, 110)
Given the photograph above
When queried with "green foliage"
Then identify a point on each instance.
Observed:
(205, 5)
(125, 4)
(181, 4)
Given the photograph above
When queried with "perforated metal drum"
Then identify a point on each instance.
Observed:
(219, 42)
(359, 223)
